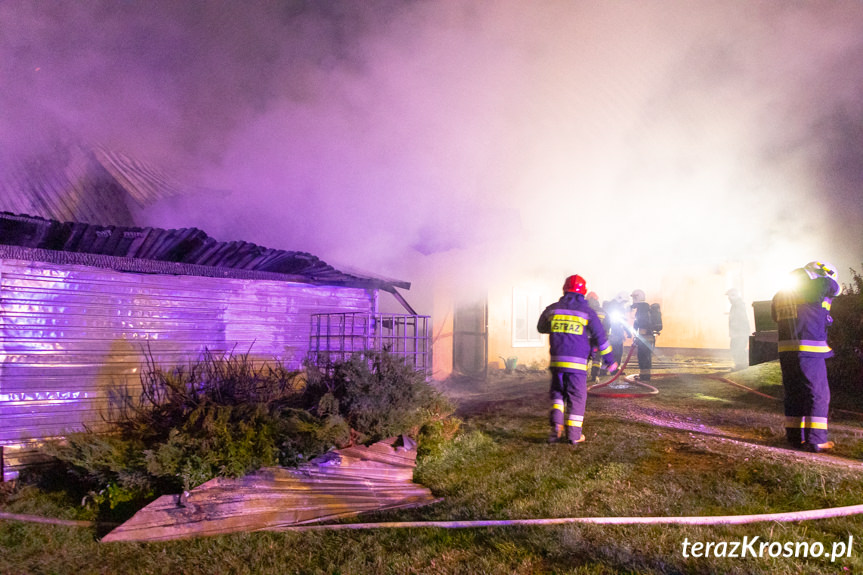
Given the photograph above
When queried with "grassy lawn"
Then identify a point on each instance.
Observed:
(702, 446)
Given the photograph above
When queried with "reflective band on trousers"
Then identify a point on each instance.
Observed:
(805, 422)
(557, 406)
(568, 361)
(804, 345)
(575, 421)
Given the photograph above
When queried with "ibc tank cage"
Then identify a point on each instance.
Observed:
(336, 337)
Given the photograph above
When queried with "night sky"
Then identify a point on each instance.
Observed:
(620, 140)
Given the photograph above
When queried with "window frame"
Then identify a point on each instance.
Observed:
(522, 301)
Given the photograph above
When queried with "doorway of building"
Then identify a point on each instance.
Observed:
(470, 338)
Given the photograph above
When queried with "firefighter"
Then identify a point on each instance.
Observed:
(617, 328)
(593, 302)
(738, 329)
(645, 329)
(572, 326)
(802, 314)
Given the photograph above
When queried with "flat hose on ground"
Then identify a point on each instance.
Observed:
(707, 375)
(788, 516)
(688, 520)
(650, 389)
(653, 391)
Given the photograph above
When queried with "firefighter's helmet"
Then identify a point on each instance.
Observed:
(638, 296)
(820, 270)
(621, 297)
(575, 284)
(592, 295)
(823, 270)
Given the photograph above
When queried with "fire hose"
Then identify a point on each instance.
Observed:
(592, 390)
(655, 520)
(810, 514)
(650, 389)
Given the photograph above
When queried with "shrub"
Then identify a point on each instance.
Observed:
(377, 394)
(846, 339)
(225, 416)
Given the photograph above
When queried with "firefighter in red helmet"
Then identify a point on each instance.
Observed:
(802, 315)
(573, 328)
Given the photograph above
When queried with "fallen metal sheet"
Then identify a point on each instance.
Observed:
(341, 483)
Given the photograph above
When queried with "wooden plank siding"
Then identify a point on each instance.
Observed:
(69, 334)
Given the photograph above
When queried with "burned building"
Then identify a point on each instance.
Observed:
(84, 305)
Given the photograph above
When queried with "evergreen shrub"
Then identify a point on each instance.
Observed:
(845, 336)
(226, 416)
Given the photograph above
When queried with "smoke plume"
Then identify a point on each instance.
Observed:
(422, 139)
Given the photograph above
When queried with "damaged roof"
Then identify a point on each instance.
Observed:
(69, 181)
(187, 251)
(89, 196)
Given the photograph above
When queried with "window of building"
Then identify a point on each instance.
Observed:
(526, 307)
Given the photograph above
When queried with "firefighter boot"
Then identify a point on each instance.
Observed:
(571, 433)
(556, 433)
(818, 447)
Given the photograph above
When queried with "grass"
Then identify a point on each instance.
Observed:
(699, 447)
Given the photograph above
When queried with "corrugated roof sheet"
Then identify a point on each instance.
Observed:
(69, 181)
(148, 249)
(83, 196)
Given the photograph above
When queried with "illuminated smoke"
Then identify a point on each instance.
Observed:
(622, 140)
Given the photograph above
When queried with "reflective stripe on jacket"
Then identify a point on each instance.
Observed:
(802, 317)
(573, 328)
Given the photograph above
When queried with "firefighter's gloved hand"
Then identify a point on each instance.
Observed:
(613, 367)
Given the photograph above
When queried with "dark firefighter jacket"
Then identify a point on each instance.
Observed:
(573, 328)
(642, 323)
(802, 315)
(617, 328)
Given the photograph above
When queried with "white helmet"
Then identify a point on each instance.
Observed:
(823, 270)
(621, 297)
(638, 296)
(820, 270)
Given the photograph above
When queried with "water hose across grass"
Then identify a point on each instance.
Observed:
(592, 390)
(687, 520)
(789, 516)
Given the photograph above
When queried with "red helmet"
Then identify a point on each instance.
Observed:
(575, 284)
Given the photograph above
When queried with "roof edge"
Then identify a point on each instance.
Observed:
(147, 266)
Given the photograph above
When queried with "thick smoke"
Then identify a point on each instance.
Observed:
(620, 140)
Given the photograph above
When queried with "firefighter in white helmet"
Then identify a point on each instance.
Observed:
(616, 323)
(738, 329)
(802, 314)
(646, 326)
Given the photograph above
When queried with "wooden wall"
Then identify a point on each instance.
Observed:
(71, 333)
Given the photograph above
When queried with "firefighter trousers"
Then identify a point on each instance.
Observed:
(645, 344)
(617, 350)
(807, 398)
(568, 399)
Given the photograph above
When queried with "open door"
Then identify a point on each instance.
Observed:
(470, 339)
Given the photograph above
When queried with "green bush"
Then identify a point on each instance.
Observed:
(377, 394)
(224, 416)
(846, 339)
